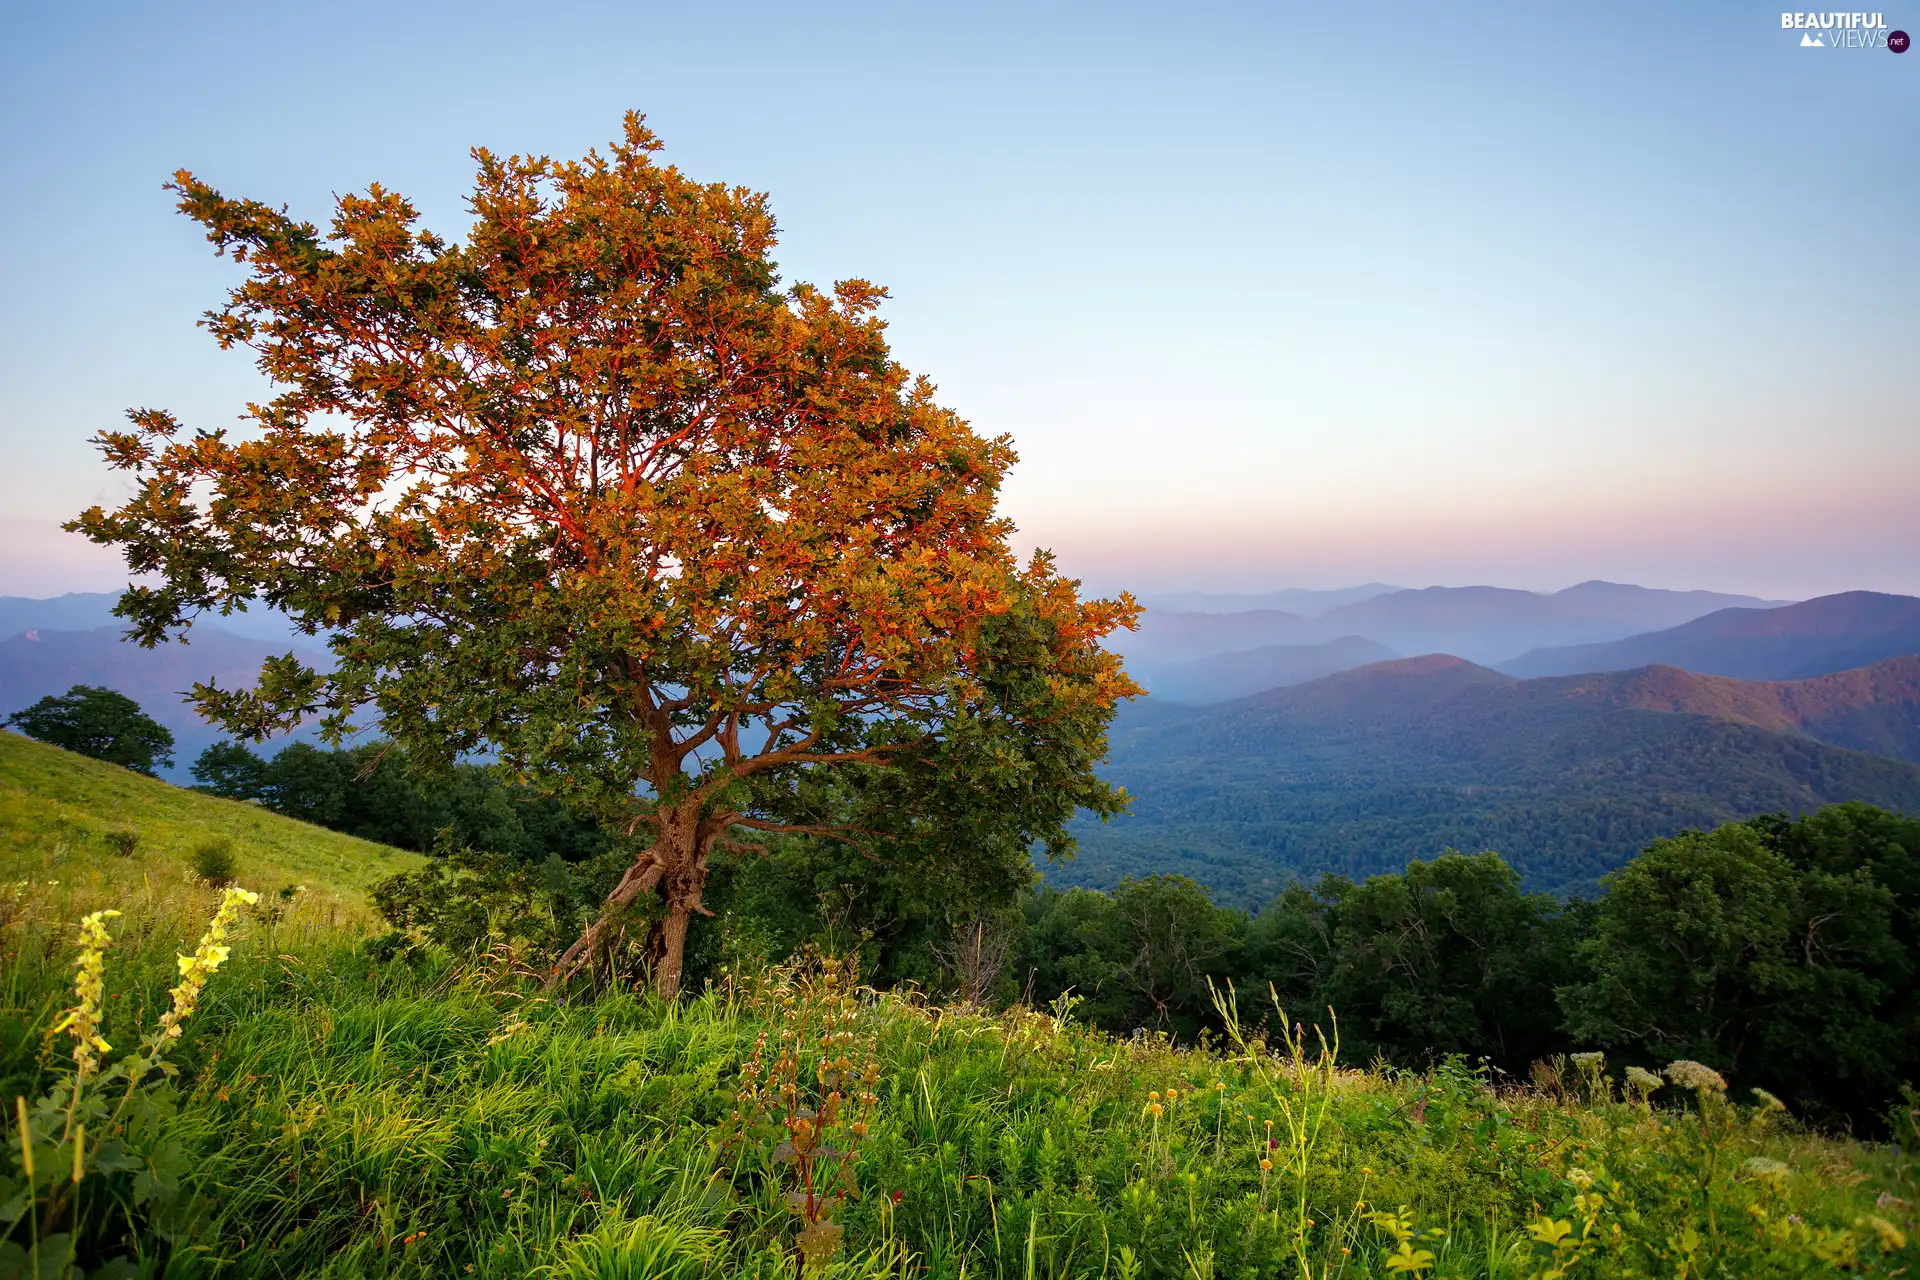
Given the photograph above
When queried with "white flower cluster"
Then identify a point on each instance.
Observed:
(1697, 1076)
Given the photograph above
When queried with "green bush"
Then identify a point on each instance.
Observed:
(123, 840)
(213, 861)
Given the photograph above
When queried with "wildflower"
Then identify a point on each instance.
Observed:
(1265, 1165)
(1580, 1178)
(1643, 1079)
(1765, 1169)
(1172, 1094)
(1153, 1095)
(1589, 1061)
(1699, 1077)
(207, 957)
(1767, 1101)
(1155, 1108)
(83, 1020)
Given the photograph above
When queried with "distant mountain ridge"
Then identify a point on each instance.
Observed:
(1304, 601)
(1791, 642)
(36, 663)
(1875, 709)
(1568, 777)
(1482, 624)
(92, 610)
(1486, 624)
(1226, 676)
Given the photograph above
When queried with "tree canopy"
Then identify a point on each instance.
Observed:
(100, 723)
(593, 493)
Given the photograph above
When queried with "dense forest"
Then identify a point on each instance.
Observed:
(1359, 773)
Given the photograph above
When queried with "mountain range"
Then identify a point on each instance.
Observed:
(1814, 637)
(1305, 602)
(36, 663)
(1482, 624)
(1567, 777)
(92, 610)
(1225, 676)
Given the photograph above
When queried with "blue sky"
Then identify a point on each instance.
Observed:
(1266, 295)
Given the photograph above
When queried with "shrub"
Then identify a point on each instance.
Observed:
(213, 861)
(123, 841)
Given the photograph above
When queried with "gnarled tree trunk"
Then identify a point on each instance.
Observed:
(675, 866)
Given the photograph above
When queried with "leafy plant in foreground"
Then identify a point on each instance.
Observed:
(812, 1088)
(80, 1127)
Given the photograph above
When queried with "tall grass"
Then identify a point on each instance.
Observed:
(347, 1115)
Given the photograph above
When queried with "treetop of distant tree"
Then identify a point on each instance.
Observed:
(229, 769)
(593, 492)
(99, 723)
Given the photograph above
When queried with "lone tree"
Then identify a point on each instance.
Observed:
(100, 723)
(592, 492)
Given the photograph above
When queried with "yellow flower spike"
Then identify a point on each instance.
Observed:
(26, 1139)
(82, 1021)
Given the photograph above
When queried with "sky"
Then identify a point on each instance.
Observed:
(1266, 295)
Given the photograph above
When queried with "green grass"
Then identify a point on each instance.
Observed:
(58, 810)
(345, 1110)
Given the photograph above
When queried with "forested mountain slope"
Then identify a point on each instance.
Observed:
(1361, 771)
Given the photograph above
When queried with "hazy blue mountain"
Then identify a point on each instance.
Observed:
(1226, 676)
(1790, 642)
(1483, 624)
(74, 612)
(1487, 624)
(1358, 772)
(1164, 638)
(1301, 600)
(38, 662)
(90, 611)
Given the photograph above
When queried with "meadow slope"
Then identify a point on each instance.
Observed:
(365, 1107)
(57, 811)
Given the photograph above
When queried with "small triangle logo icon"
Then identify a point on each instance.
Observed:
(1812, 41)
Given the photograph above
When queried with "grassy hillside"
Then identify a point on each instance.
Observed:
(57, 810)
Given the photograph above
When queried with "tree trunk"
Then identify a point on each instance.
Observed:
(640, 877)
(672, 934)
(676, 865)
